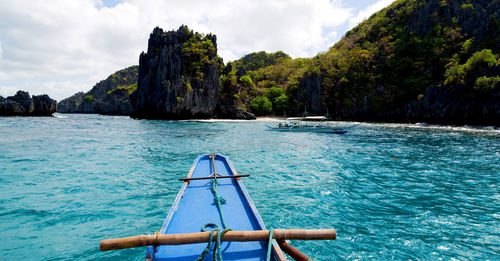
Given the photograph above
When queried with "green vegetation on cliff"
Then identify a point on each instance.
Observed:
(255, 61)
(274, 76)
(199, 51)
(382, 68)
(129, 89)
(261, 105)
(88, 98)
(480, 60)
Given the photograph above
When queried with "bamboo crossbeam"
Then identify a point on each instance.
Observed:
(200, 237)
(216, 177)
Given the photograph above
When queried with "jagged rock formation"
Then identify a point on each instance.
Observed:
(43, 105)
(22, 104)
(25, 100)
(178, 76)
(110, 96)
(77, 104)
(10, 108)
(116, 102)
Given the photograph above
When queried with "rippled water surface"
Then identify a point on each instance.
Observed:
(391, 191)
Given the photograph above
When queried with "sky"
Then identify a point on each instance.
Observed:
(61, 47)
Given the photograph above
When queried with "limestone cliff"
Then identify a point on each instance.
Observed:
(110, 96)
(178, 76)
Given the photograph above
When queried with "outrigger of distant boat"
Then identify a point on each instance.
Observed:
(307, 124)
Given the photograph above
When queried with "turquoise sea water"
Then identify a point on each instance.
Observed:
(391, 191)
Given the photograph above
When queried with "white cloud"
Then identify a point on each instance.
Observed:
(368, 11)
(60, 46)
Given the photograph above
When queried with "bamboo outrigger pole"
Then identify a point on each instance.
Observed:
(200, 237)
(292, 251)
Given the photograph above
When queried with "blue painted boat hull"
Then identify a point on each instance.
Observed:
(194, 206)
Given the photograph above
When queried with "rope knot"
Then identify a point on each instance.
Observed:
(217, 255)
(219, 200)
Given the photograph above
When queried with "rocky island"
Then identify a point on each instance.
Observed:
(414, 61)
(22, 104)
(179, 78)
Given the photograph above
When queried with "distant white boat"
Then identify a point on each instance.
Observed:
(316, 124)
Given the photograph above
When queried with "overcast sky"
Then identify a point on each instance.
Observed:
(60, 47)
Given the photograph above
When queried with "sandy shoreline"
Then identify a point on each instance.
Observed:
(420, 125)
